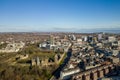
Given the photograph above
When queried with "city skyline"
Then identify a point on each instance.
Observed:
(59, 15)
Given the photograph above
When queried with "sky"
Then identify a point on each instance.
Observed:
(59, 15)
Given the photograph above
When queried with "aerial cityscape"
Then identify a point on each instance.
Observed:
(59, 40)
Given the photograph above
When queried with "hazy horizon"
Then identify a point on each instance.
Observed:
(72, 31)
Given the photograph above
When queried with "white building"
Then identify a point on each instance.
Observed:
(115, 52)
(111, 38)
(99, 36)
(68, 73)
(84, 38)
(43, 45)
(74, 37)
(79, 40)
(100, 45)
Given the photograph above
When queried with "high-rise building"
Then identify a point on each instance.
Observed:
(74, 37)
(90, 38)
(51, 40)
(99, 36)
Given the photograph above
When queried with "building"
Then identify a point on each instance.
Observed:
(84, 38)
(66, 74)
(13, 47)
(73, 37)
(99, 36)
(90, 39)
(111, 38)
(115, 60)
(115, 52)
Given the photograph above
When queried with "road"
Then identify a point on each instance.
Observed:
(56, 74)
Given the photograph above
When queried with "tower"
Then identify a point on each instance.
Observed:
(38, 61)
(51, 40)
